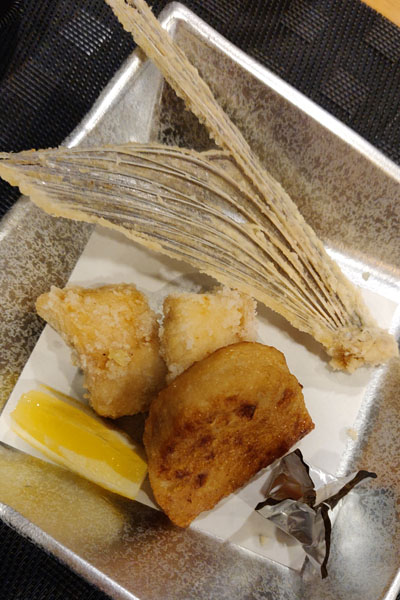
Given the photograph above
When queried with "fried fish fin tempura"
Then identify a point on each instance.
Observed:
(220, 211)
(347, 330)
(114, 336)
(218, 423)
(195, 325)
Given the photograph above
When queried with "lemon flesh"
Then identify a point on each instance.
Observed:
(70, 435)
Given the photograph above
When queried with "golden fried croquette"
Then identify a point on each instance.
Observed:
(197, 324)
(218, 423)
(114, 336)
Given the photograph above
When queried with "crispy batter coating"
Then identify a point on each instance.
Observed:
(195, 325)
(114, 336)
(218, 423)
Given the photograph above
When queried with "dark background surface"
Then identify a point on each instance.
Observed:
(56, 57)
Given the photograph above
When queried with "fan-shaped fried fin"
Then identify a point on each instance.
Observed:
(196, 207)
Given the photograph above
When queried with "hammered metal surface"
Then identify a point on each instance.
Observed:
(133, 551)
(35, 249)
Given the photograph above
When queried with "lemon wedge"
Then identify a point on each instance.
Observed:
(71, 435)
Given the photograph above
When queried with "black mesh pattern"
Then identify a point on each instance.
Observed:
(55, 58)
(28, 573)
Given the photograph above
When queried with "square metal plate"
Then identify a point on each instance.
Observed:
(349, 193)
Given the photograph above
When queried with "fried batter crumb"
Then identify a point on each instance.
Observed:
(114, 336)
(195, 325)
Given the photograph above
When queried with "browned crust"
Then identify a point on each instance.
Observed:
(218, 424)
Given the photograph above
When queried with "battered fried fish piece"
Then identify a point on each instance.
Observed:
(114, 336)
(218, 423)
(197, 324)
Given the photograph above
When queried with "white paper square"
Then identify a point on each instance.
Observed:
(332, 398)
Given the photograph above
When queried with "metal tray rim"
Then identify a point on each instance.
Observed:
(169, 16)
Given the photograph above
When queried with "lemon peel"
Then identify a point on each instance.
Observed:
(72, 436)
